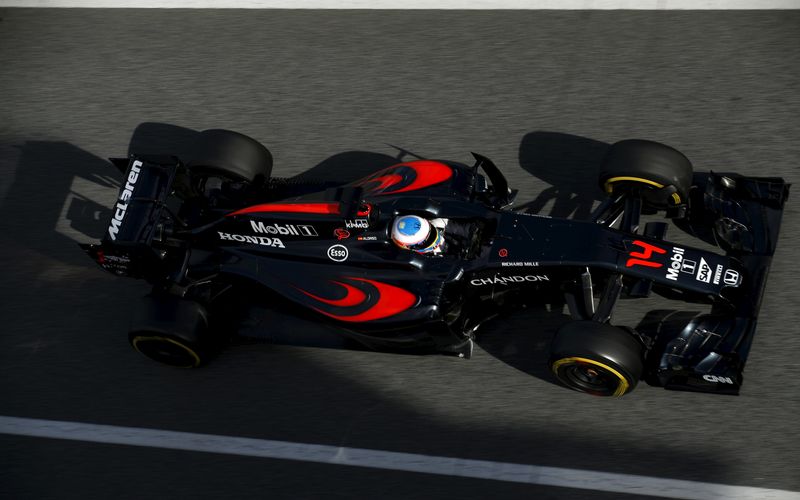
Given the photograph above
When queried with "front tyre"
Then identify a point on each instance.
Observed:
(173, 331)
(596, 358)
(661, 175)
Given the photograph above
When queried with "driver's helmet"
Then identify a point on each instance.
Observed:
(415, 233)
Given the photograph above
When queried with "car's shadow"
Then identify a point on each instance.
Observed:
(522, 340)
(80, 188)
(569, 164)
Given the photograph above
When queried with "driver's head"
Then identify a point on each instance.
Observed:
(415, 233)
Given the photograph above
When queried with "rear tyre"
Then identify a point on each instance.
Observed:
(596, 358)
(173, 331)
(661, 175)
(230, 155)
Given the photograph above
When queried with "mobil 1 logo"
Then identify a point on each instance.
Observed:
(284, 229)
(676, 264)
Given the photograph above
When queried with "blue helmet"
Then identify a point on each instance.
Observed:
(415, 233)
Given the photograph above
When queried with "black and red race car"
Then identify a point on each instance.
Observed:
(213, 229)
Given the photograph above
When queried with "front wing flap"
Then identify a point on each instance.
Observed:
(741, 215)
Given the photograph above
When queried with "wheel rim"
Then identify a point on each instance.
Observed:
(166, 350)
(590, 376)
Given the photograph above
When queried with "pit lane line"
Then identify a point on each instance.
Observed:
(389, 460)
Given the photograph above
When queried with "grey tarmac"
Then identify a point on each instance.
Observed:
(338, 94)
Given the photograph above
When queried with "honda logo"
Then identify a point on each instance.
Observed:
(731, 277)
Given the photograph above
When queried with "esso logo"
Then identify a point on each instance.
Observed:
(338, 253)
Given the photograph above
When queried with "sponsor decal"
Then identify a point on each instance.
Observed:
(505, 280)
(641, 258)
(356, 224)
(283, 229)
(704, 271)
(307, 230)
(119, 259)
(688, 266)
(367, 238)
(717, 274)
(518, 263)
(341, 234)
(266, 241)
(124, 197)
(731, 277)
(714, 378)
(676, 264)
(503, 252)
(338, 253)
(114, 263)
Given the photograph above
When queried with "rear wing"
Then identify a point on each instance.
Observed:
(141, 200)
(126, 247)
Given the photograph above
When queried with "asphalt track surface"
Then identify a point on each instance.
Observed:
(541, 93)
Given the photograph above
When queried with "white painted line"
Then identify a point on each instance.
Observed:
(390, 460)
(419, 4)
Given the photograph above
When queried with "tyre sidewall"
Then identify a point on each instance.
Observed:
(601, 344)
(176, 325)
(650, 161)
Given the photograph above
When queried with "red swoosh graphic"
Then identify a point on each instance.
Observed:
(385, 181)
(391, 300)
(353, 297)
(303, 208)
(426, 173)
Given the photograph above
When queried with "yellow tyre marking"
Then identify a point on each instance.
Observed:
(609, 188)
(194, 355)
(623, 382)
(612, 180)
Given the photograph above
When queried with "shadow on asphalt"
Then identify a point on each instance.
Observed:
(570, 164)
(522, 340)
(54, 195)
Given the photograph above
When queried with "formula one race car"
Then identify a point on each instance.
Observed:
(216, 225)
